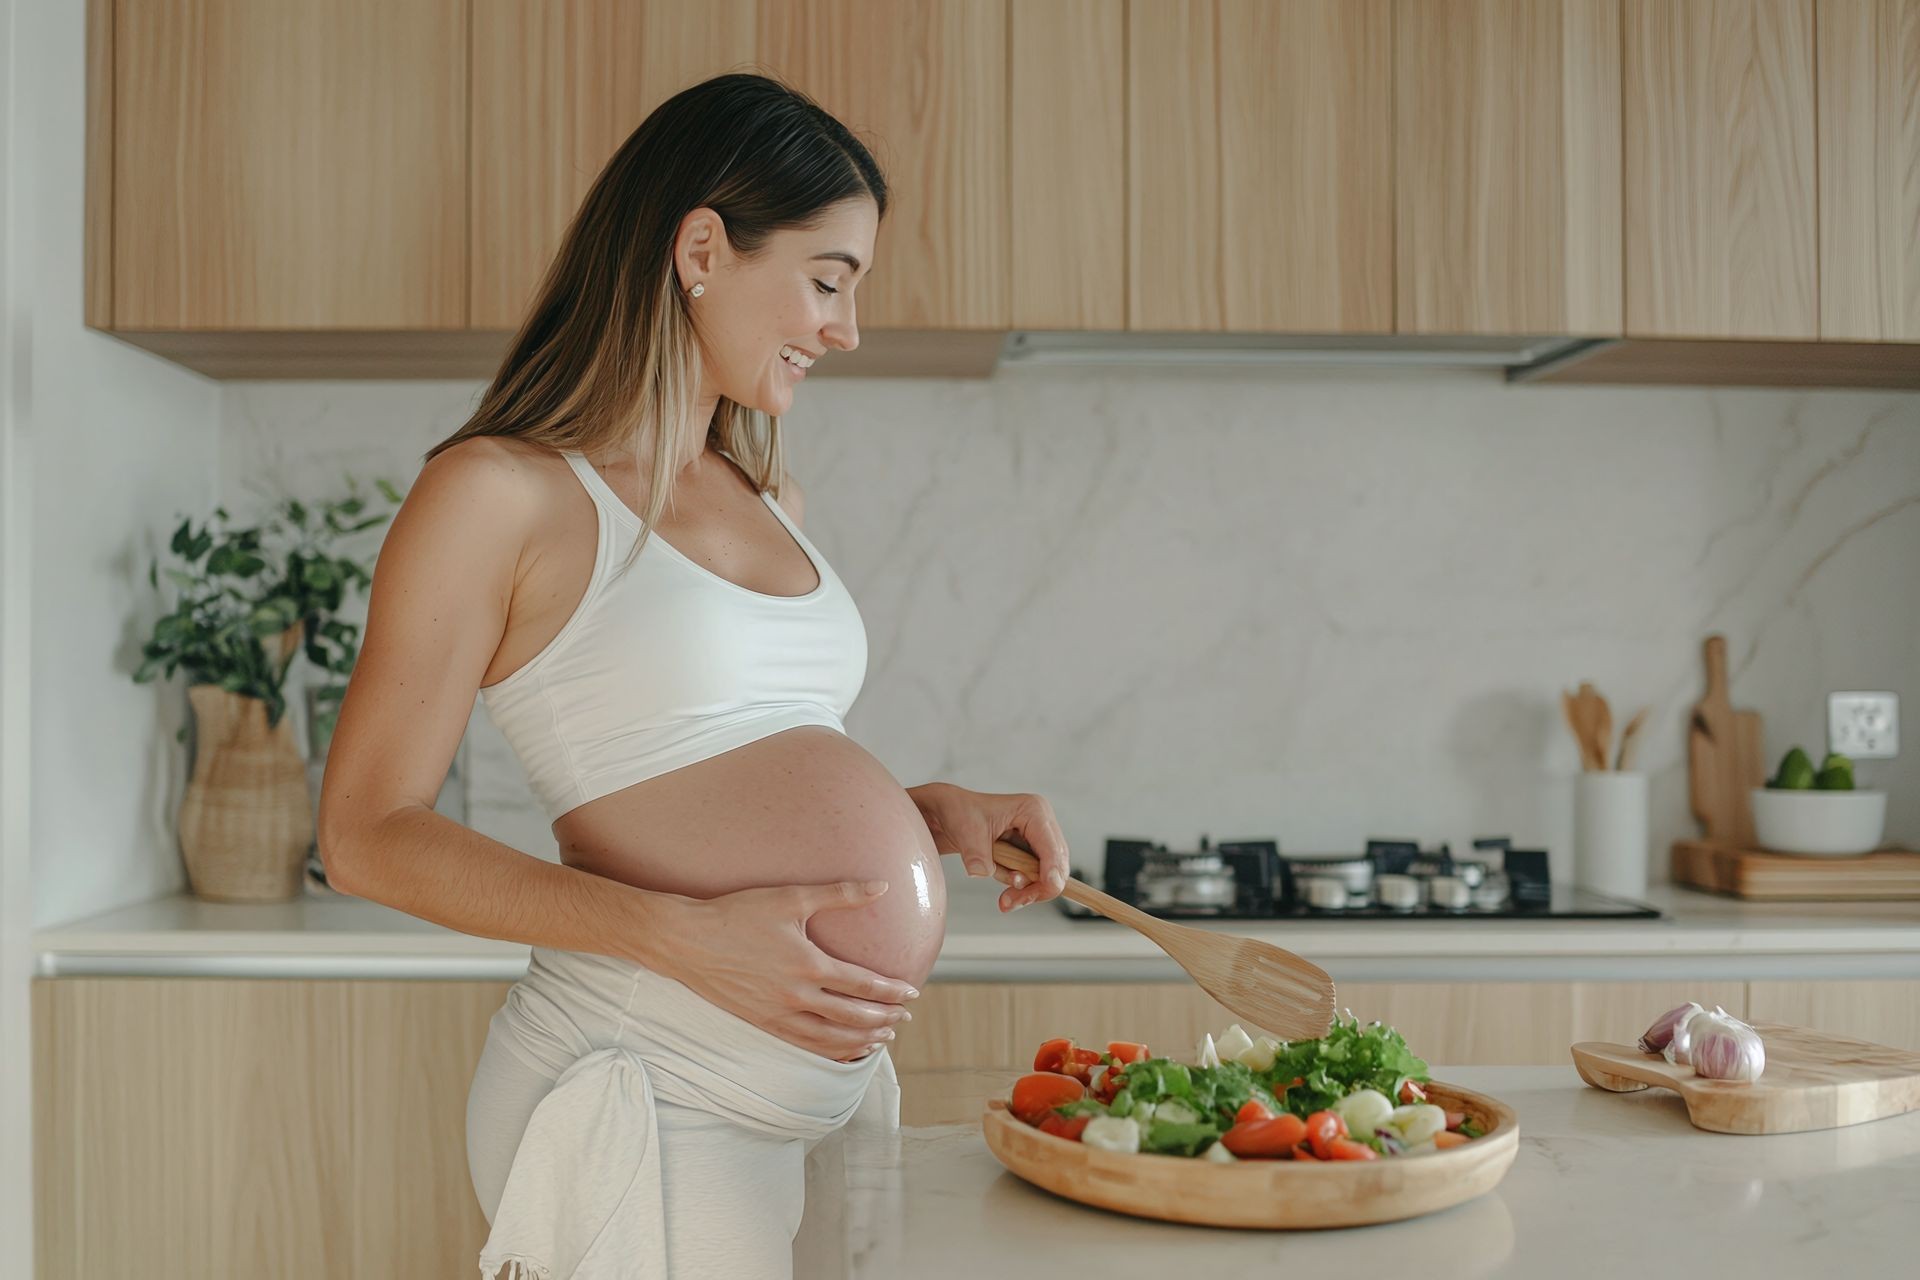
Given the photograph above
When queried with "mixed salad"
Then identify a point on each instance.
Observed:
(1357, 1093)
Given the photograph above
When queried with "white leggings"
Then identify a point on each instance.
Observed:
(732, 1196)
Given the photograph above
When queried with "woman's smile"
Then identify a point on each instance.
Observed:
(797, 360)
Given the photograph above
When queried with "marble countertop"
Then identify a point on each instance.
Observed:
(325, 935)
(1604, 1185)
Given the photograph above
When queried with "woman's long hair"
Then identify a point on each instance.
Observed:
(608, 348)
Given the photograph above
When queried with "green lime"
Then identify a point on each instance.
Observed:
(1796, 772)
(1837, 777)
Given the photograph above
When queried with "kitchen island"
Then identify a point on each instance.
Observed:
(1605, 1185)
(285, 1026)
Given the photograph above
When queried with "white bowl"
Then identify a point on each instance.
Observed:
(1827, 824)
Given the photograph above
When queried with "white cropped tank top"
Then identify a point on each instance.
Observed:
(668, 663)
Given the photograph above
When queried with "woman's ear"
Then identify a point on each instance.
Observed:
(700, 246)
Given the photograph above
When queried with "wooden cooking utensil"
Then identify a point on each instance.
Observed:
(1724, 761)
(1572, 710)
(1592, 723)
(1625, 760)
(1273, 989)
(1602, 724)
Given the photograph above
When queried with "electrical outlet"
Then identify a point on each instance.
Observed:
(1863, 726)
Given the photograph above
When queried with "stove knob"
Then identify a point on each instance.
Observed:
(1492, 892)
(1449, 893)
(1396, 892)
(1324, 892)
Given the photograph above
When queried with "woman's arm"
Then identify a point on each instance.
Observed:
(441, 590)
(427, 865)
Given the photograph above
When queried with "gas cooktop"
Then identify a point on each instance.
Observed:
(1392, 880)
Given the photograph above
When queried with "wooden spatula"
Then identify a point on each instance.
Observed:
(1273, 989)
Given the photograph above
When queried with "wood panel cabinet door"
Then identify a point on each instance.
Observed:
(557, 87)
(1720, 232)
(1869, 75)
(1067, 65)
(1507, 166)
(1883, 1010)
(923, 83)
(279, 164)
(225, 1127)
(1260, 165)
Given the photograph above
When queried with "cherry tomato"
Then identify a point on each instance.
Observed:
(1410, 1092)
(1348, 1149)
(1127, 1051)
(1052, 1054)
(1068, 1127)
(1035, 1096)
(1455, 1119)
(1269, 1138)
(1301, 1153)
(1110, 1085)
(1322, 1128)
(1080, 1063)
(1067, 1058)
(1252, 1109)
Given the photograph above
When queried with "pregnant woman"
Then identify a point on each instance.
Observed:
(610, 553)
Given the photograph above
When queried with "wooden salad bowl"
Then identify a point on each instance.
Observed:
(1281, 1194)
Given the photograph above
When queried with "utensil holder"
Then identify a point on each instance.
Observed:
(1610, 832)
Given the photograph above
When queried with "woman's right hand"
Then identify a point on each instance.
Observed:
(748, 952)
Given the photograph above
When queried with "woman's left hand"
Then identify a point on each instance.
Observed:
(968, 822)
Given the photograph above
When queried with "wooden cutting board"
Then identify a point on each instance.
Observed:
(1725, 757)
(1885, 875)
(1813, 1080)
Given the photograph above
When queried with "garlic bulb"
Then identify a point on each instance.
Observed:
(1680, 1039)
(1661, 1032)
(1725, 1048)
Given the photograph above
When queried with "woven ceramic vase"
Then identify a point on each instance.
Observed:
(247, 821)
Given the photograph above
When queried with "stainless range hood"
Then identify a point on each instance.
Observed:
(1034, 348)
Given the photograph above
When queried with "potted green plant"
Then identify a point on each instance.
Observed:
(249, 601)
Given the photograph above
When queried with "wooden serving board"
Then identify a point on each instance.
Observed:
(1725, 759)
(1884, 875)
(1812, 1080)
(1281, 1194)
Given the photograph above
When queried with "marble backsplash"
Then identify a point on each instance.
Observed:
(1313, 605)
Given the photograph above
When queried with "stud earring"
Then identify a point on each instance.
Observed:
(699, 288)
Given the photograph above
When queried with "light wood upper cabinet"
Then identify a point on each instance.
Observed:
(557, 87)
(1720, 229)
(1069, 164)
(280, 164)
(1260, 165)
(924, 84)
(1507, 166)
(1869, 76)
(355, 188)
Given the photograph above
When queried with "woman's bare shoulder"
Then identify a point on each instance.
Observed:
(506, 477)
(485, 494)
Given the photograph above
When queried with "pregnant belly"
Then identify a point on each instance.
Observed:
(804, 806)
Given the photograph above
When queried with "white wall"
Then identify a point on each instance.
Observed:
(1317, 606)
(16, 884)
(120, 442)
